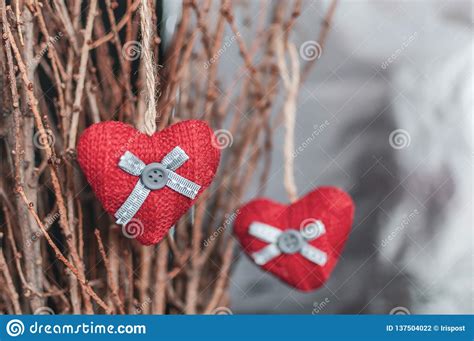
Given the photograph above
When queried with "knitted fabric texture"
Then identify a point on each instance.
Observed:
(328, 204)
(101, 146)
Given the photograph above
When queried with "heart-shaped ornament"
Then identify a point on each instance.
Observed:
(148, 182)
(299, 243)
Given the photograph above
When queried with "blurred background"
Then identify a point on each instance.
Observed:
(387, 115)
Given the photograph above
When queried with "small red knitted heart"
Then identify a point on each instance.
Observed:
(101, 146)
(329, 205)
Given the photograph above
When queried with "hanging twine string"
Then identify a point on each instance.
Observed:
(290, 84)
(149, 122)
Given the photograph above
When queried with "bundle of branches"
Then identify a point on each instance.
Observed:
(66, 64)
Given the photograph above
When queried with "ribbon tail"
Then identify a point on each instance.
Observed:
(264, 232)
(314, 255)
(182, 185)
(175, 159)
(131, 164)
(266, 254)
(133, 203)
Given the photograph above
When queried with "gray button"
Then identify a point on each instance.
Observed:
(154, 176)
(290, 241)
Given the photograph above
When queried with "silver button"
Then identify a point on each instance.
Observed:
(290, 241)
(154, 176)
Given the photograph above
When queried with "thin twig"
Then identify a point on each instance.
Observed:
(76, 108)
(110, 281)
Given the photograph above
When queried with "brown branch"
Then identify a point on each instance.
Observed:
(125, 20)
(326, 26)
(50, 155)
(76, 107)
(110, 281)
(61, 257)
(221, 283)
(8, 279)
(159, 300)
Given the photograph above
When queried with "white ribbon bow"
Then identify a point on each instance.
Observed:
(134, 166)
(288, 242)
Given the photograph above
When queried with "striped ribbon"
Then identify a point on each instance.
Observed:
(134, 166)
(273, 236)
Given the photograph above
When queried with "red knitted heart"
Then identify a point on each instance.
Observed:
(333, 207)
(101, 146)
